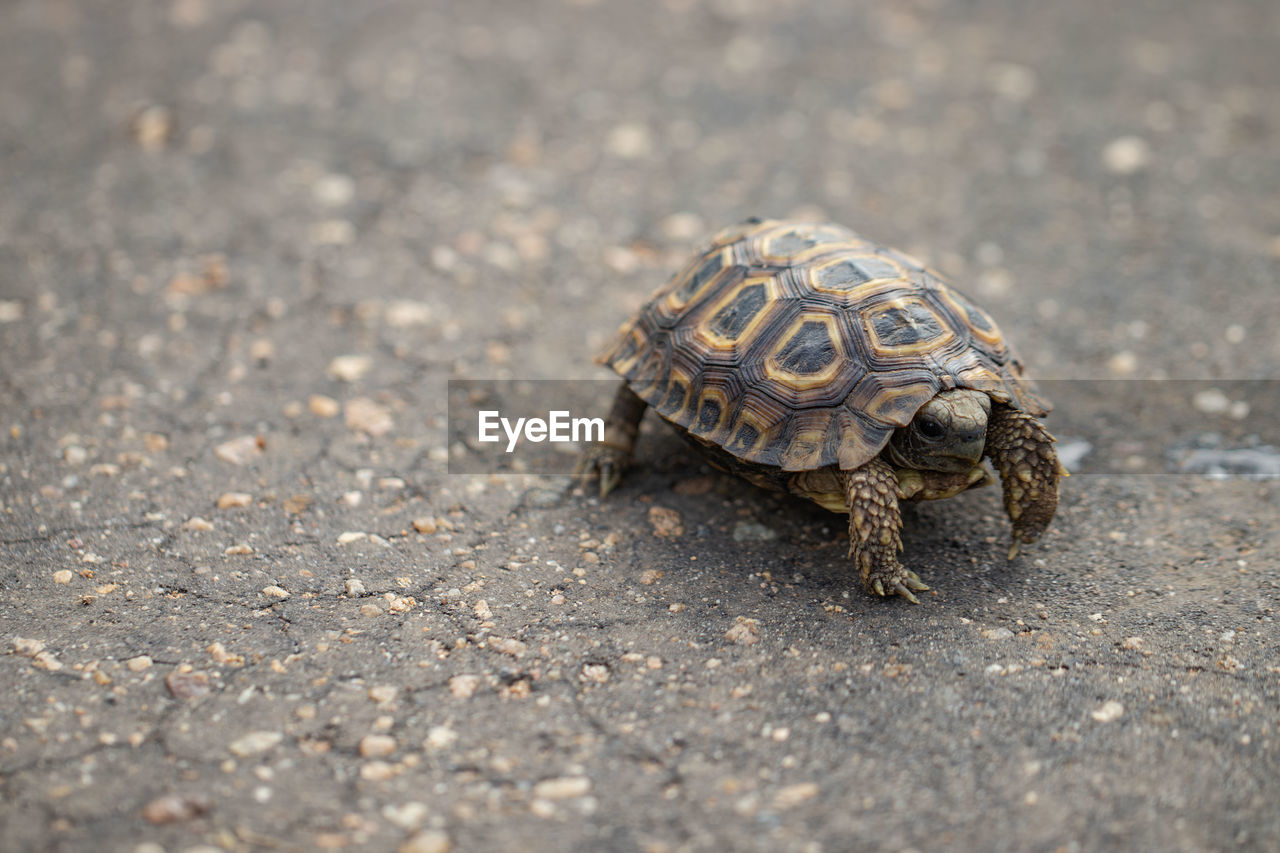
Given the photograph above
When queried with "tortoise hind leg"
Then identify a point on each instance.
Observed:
(1022, 451)
(612, 456)
(875, 523)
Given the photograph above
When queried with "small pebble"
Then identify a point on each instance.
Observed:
(378, 771)
(793, 795)
(275, 592)
(745, 632)
(232, 500)
(440, 737)
(254, 743)
(377, 746)
(464, 686)
(365, 415)
(383, 693)
(402, 313)
(512, 647)
(752, 531)
(997, 633)
(173, 808)
(187, 685)
(62, 576)
(666, 522)
(239, 451)
(198, 524)
(1126, 155)
(630, 141)
(354, 587)
(407, 816)
(427, 841)
(322, 406)
(562, 788)
(350, 368)
(599, 673)
(138, 664)
(1108, 712)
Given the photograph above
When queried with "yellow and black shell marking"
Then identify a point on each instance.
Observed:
(800, 345)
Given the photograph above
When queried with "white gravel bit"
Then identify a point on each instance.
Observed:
(274, 591)
(197, 524)
(383, 693)
(173, 808)
(427, 841)
(239, 451)
(350, 368)
(10, 311)
(482, 610)
(351, 536)
(62, 576)
(631, 141)
(793, 795)
(1211, 401)
(997, 633)
(464, 686)
(254, 743)
(354, 587)
(407, 816)
(753, 531)
(377, 746)
(1126, 155)
(233, 500)
(597, 672)
(238, 550)
(27, 647)
(515, 648)
(745, 632)
(440, 737)
(1109, 712)
(378, 771)
(138, 664)
(322, 406)
(364, 415)
(405, 312)
(562, 788)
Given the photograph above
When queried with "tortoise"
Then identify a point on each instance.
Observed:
(808, 359)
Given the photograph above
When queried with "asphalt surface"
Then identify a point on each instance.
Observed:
(244, 246)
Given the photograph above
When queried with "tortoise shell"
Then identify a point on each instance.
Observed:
(800, 345)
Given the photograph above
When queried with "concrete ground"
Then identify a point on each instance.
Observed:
(244, 245)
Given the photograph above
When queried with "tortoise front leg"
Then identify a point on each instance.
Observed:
(612, 456)
(1022, 451)
(875, 525)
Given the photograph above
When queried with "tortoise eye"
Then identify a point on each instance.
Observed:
(931, 429)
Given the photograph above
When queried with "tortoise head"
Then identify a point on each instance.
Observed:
(947, 434)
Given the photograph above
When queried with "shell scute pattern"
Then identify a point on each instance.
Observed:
(801, 345)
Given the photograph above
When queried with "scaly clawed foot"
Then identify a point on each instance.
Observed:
(896, 581)
(606, 461)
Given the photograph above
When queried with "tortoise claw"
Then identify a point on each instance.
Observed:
(607, 463)
(1015, 547)
(900, 588)
(912, 581)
